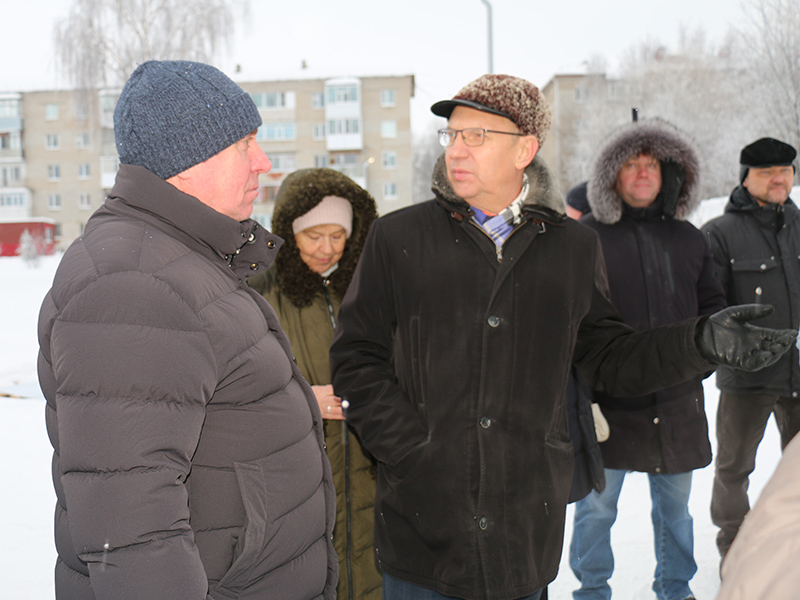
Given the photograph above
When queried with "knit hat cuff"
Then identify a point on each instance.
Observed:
(332, 210)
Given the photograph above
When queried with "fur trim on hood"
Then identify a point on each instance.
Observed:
(300, 192)
(680, 169)
(544, 196)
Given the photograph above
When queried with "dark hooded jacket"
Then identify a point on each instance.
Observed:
(759, 247)
(455, 364)
(189, 457)
(307, 305)
(659, 272)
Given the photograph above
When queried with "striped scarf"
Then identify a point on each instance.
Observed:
(501, 225)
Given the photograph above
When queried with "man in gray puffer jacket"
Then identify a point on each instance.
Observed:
(189, 459)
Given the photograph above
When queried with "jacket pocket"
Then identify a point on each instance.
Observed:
(284, 502)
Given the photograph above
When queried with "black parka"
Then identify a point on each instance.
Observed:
(755, 247)
(188, 449)
(659, 272)
(456, 364)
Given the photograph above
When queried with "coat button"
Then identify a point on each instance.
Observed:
(486, 422)
(493, 321)
(271, 244)
(794, 394)
(483, 523)
(656, 420)
(254, 266)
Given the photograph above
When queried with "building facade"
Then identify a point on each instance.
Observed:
(58, 158)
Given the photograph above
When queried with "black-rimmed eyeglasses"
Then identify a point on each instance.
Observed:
(472, 136)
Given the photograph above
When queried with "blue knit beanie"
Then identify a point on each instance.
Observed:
(175, 114)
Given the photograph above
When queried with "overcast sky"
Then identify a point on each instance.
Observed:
(443, 43)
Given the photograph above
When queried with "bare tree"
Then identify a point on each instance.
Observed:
(426, 150)
(101, 42)
(772, 39)
(697, 88)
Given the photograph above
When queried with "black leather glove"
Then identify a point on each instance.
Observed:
(726, 338)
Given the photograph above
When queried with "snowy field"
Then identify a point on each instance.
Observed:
(27, 554)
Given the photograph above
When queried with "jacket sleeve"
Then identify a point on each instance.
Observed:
(620, 362)
(710, 295)
(720, 258)
(134, 370)
(389, 426)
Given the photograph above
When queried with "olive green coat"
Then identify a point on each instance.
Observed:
(303, 301)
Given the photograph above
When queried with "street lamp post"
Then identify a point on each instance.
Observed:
(489, 33)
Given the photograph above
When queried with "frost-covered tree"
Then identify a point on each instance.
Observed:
(772, 42)
(697, 88)
(426, 150)
(28, 249)
(101, 42)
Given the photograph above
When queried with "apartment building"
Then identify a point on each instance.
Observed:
(58, 158)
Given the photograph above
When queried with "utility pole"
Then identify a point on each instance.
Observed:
(489, 33)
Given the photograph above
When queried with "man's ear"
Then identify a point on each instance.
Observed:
(181, 180)
(528, 148)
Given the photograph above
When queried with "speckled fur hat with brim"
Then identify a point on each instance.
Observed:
(511, 97)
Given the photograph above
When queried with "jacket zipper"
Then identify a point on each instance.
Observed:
(498, 250)
(348, 559)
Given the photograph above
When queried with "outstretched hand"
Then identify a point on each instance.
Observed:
(728, 339)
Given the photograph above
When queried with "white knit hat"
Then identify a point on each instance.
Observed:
(332, 210)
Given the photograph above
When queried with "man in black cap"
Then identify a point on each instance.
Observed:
(755, 246)
(454, 345)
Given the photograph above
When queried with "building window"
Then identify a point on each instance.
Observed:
(581, 94)
(318, 131)
(390, 191)
(84, 171)
(83, 140)
(342, 94)
(10, 141)
(344, 159)
(9, 108)
(107, 106)
(81, 110)
(54, 172)
(389, 159)
(387, 98)
(388, 129)
(272, 132)
(318, 100)
(274, 99)
(340, 126)
(9, 176)
(12, 200)
(84, 201)
(54, 201)
(51, 141)
(320, 161)
(282, 161)
(51, 112)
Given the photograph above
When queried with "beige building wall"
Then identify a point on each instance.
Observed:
(62, 147)
(70, 156)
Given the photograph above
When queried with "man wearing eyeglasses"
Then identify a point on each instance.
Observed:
(453, 349)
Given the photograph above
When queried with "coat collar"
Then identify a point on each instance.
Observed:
(544, 200)
(769, 216)
(241, 244)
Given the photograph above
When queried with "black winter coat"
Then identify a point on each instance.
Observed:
(660, 272)
(188, 450)
(759, 247)
(456, 364)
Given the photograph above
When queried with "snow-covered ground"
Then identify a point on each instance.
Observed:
(27, 554)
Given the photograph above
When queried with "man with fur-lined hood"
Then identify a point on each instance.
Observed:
(454, 345)
(642, 187)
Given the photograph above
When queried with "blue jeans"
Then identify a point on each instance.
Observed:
(396, 589)
(590, 554)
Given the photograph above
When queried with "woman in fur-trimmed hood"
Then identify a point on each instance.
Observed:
(324, 216)
(680, 169)
(642, 187)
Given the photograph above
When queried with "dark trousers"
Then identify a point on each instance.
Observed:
(741, 421)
